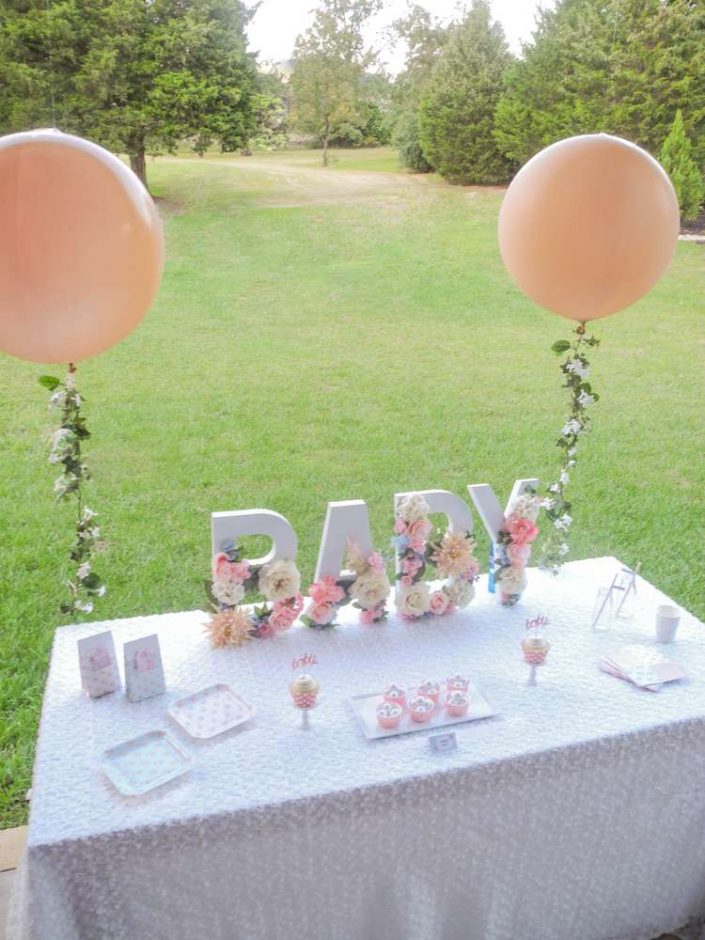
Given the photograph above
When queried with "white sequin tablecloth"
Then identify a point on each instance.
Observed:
(577, 812)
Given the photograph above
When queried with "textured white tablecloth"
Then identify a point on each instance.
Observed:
(577, 812)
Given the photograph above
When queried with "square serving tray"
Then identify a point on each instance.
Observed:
(211, 711)
(365, 706)
(144, 763)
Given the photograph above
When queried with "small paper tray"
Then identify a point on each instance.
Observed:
(211, 711)
(144, 763)
(365, 707)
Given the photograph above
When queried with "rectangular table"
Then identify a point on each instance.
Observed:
(577, 812)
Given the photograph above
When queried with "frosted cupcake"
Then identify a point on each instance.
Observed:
(304, 691)
(421, 708)
(430, 689)
(457, 683)
(457, 704)
(395, 695)
(388, 715)
(535, 650)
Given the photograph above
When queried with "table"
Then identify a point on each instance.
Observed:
(577, 812)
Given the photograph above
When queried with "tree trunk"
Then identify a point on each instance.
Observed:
(326, 136)
(138, 164)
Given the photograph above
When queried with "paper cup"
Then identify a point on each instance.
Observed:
(667, 620)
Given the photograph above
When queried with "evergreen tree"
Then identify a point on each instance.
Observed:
(619, 66)
(136, 77)
(458, 105)
(687, 179)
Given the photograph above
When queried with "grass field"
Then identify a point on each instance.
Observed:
(328, 335)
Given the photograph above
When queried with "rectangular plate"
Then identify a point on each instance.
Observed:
(143, 763)
(211, 711)
(364, 707)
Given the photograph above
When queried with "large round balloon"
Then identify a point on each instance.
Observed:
(588, 226)
(81, 250)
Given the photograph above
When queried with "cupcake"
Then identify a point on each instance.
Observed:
(430, 689)
(457, 704)
(304, 691)
(388, 715)
(457, 683)
(421, 708)
(395, 695)
(535, 650)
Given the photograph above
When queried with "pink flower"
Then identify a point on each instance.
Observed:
(410, 565)
(449, 609)
(518, 554)
(266, 629)
(438, 603)
(417, 544)
(326, 591)
(296, 603)
(521, 530)
(281, 617)
(421, 529)
(376, 562)
(368, 616)
(226, 570)
(400, 526)
(405, 581)
(321, 614)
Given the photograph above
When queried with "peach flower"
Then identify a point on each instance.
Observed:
(522, 531)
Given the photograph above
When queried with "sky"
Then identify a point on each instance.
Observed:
(277, 23)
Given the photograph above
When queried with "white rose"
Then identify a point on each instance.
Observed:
(460, 592)
(279, 580)
(415, 600)
(413, 508)
(512, 580)
(527, 507)
(228, 592)
(370, 588)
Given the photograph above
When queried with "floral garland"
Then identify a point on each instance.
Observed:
(450, 553)
(368, 591)
(66, 441)
(576, 370)
(513, 547)
(279, 582)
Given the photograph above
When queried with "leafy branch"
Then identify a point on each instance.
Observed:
(66, 444)
(576, 371)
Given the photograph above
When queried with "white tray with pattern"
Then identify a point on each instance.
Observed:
(211, 711)
(141, 764)
(365, 707)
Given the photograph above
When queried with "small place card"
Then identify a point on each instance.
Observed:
(98, 665)
(443, 743)
(144, 673)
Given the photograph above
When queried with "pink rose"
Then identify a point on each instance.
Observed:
(439, 603)
(376, 562)
(321, 613)
(296, 603)
(326, 591)
(239, 570)
(410, 565)
(281, 618)
(472, 570)
(418, 545)
(518, 554)
(522, 531)
(368, 616)
(266, 628)
(421, 529)
(400, 526)
(226, 570)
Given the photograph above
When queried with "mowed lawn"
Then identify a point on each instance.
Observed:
(326, 335)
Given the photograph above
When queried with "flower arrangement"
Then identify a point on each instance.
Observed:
(419, 548)
(279, 582)
(367, 591)
(85, 585)
(513, 547)
(576, 371)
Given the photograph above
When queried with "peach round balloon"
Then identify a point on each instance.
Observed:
(588, 226)
(81, 250)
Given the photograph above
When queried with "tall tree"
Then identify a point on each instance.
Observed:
(458, 105)
(620, 66)
(424, 38)
(137, 76)
(687, 179)
(330, 62)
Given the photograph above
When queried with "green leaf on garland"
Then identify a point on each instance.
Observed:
(561, 346)
(51, 382)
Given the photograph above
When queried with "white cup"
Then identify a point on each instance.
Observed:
(667, 620)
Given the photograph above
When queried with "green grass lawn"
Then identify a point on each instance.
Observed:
(329, 336)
